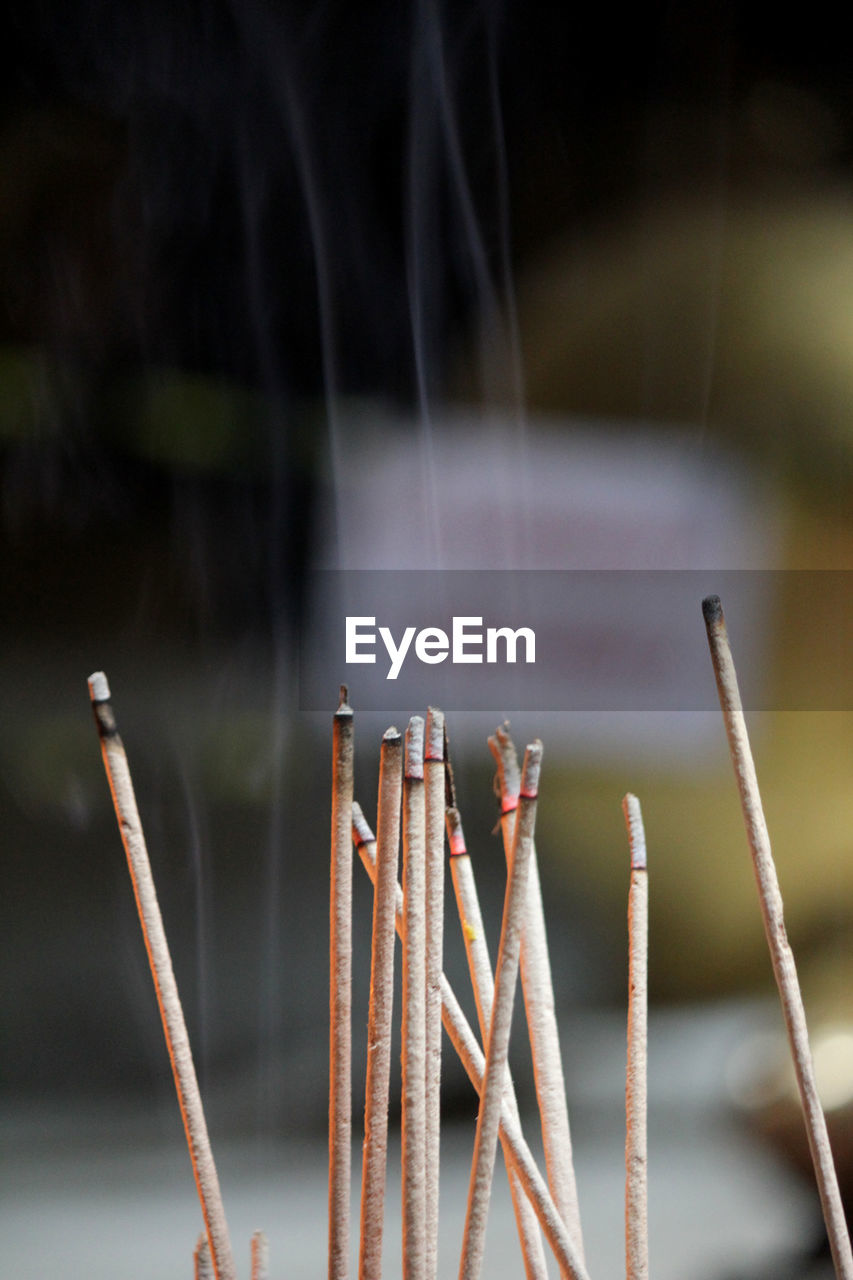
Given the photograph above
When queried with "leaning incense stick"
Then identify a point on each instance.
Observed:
(413, 1117)
(260, 1257)
(380, 1009)
(434, 826)
(165, 986)
(538, 990)
(340, 992)
(506, 974)
(479, 965)
(636, 1087)
(471, 1056)
(774, 927)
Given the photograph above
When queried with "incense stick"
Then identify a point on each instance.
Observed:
(413, 1119)
(260, 1257)
(636, 1086)
(380, 1009)
(340, 992)
(471, 1056)
(774, 927)
(538, 990)
(165, 986)
(506, 974)
(434, 822)
(482, 981)
(203, 1267)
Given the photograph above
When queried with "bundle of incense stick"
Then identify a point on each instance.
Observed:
(416, 805)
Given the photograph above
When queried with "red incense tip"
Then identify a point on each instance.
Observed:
(414, 767)
(434, 739)
(636, 833)
(361, 833)
(455, 834)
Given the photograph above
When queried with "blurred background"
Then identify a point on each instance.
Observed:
(482, 285)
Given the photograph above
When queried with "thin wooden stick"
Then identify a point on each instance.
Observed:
(471, 1056)
(506, 974)
(538, 990)
(482, 981)
(413, 1119)
(203, 1267)
(165, 986)
(774, 927)
(260, 1256)
(380, 1011)
(434, 821)
(340, 993)
(636, 1086)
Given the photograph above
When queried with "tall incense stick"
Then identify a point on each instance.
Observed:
(380, 1009)
(538, 990)
(506, 974)
(434, 823)
(340, 992)
(260, 1257)
(482, 981)
(774, 927)
(636, 1087)
(413, 1118)
(471, 1056)
(165, 986)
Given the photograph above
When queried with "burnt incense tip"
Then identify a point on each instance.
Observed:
(414, 767)
(344, 709)
(392, 735)
(503, 749)
(449, 783)
(361, 832)
(99, 689)
(712, 610)
(636, 833)
(434, 735)
(530, 770)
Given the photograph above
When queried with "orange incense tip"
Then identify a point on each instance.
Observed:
(509, 804)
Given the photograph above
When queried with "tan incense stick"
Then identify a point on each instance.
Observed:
(434, 822)
(479, 965)
(471, 1056)
(413, 1118)
(506, 974)
(340, 992)
(171, 1013)
(260, 1257)
(636, 1087)
(774, 927)
(380, 1009)
(538, 991)
(203, 1267)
